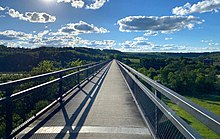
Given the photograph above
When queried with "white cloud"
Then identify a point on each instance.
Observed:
(137, 44)
(96, 5)
(150, 33)
(79, 28)
(210, 42)
(77, 3)
(166, 39)
(104, 44)
(2, 9)
(88, 4)
(140, 39)
(200, 7)
(74, 3)
(134, 46)
(35, 17)
(13, 35)
(164, 24)
(15, 14)
(43, 33)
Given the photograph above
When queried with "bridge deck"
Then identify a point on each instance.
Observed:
(102, 108)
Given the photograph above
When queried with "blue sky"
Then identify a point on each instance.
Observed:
(134, 25)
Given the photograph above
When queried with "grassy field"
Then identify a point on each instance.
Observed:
(212, 103)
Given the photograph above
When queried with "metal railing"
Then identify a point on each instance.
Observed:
(164, 122)
(80, 73)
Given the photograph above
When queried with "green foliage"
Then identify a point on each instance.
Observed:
(39, 106)
(43, 67)
(117, 56)
(185, 76)
(78, 62)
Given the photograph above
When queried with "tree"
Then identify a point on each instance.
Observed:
(75, 63)
(117, 56)
(43, 67)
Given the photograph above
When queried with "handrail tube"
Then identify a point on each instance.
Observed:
(23, 93)
(183, 127)
(209, 119)
(15, 82)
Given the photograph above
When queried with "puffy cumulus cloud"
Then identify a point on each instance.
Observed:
(96, 5)
(74, 3)
(200, 7)
(45, 38)
(15, 14)
(137, 44)
(151, 47)
(13, 38)
(13, 35)
(88, 4)
(141, 44)
(79, 28)
(35, 17)
(39, 17)
(172, 48)
(140, 39)
(43, 33)
(2, 9)
(71, 41)
(152, 24)
(150, 33)
(103, 44)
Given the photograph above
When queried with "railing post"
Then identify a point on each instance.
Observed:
(78, 78)
(61, 86)
(9, 114)
(158, 95)
(87, 71)
(92, 68)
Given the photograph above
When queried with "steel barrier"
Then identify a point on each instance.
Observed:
(164, 122)
(80, 72)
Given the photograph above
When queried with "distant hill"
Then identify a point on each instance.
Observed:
(172, 55)
(21, 59)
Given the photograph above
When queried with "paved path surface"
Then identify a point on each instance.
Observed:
(103, 108)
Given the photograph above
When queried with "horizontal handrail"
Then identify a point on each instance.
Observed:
(23, 93)
(19, 81)
(209, 119)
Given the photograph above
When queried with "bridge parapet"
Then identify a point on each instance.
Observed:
(161, 119)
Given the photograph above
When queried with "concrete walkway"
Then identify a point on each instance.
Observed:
(103, 108)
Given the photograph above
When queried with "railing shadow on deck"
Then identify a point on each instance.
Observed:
(69, 121)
